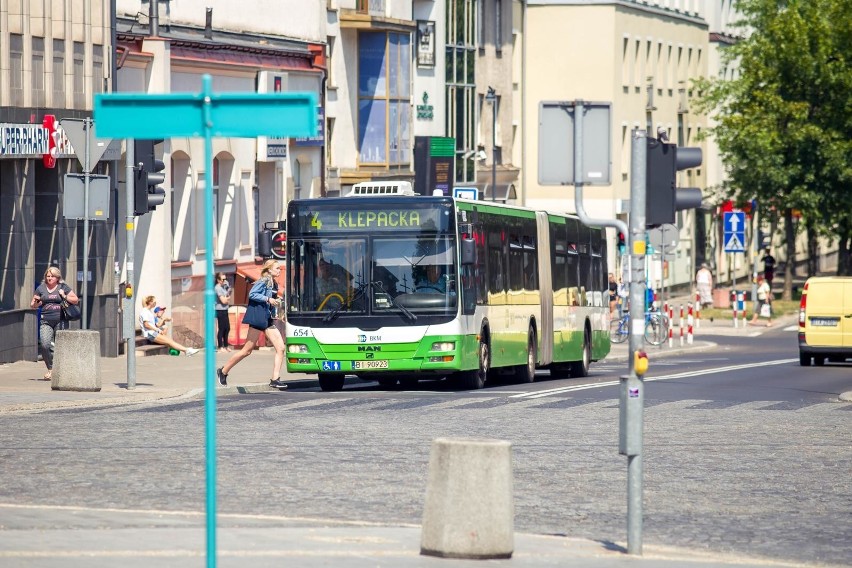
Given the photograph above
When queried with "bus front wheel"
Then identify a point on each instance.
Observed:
(329, 382)
(475, 378)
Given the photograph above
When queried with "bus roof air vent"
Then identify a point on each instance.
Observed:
(377, 188)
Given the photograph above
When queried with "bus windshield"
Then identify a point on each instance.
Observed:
(378, 275)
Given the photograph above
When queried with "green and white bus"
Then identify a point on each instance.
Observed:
(391, 287)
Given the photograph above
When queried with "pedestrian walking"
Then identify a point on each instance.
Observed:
(764, 302)
(612, 288)
(263, 298)
(768, 267)
(223, 302)
(704, 285)
(50, 295)
(154, 328)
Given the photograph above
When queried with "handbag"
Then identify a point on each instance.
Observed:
(70, 312)
(766, 310)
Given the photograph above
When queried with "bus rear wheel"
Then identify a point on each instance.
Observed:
(581, 368)
(526, 373)
(475, 379)
(329, 382)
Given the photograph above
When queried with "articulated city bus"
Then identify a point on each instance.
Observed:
(390, 286)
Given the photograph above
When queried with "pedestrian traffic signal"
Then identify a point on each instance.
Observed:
(622, 243)
(662, 196)
(148, 176)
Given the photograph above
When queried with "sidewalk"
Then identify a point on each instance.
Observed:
(144, 539)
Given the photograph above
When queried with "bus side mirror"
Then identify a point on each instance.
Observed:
(468, 252)
(264, 243)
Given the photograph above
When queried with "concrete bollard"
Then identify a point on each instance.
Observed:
(77, 361)
(469, 511)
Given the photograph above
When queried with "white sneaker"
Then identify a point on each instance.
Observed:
(191, 351)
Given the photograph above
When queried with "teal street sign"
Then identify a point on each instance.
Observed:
(206, 114)
(145, 117)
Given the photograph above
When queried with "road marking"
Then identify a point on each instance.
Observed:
(575, 388)
(792, 328)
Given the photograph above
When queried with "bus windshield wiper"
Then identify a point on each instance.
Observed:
(332, 315)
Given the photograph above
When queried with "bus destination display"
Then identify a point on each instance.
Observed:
(374, 219)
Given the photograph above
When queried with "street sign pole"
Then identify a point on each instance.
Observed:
(87, 126)
(207, 114)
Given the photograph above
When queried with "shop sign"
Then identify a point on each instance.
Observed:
(31, 140)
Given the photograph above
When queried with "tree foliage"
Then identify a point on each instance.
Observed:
(783, 124)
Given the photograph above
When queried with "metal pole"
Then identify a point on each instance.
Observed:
(209, 333)
(493, 145)
(87, 126)
(632, 386)
(756, 253)
(129, 311)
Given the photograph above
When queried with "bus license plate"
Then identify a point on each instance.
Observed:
(369, 364)
(825, 322)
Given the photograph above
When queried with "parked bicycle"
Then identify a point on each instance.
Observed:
(656, 327)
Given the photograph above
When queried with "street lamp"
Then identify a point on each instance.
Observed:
(491, 98)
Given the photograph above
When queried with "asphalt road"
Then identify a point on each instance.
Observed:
(745, 452)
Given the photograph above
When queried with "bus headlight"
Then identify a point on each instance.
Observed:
(444, 346)
(297, 348)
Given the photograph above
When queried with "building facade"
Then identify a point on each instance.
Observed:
(641, 57)
(54, 56)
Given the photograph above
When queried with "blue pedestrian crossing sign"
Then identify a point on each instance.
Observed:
(735, 227)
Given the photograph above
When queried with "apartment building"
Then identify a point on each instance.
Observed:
(641, 58)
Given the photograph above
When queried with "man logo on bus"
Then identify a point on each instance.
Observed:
(362, 339)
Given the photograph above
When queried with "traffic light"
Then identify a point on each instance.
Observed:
(622, 243)
(147, 191)
(662, 196)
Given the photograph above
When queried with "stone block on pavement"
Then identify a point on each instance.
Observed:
(469, 510)
(77, 361)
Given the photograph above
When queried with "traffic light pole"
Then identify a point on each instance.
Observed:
(127, 299)
(632, 394)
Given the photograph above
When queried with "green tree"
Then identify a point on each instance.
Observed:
(783, 125)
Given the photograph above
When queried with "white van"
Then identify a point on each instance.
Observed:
(825, 320)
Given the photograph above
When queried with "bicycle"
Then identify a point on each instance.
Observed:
(656, 328)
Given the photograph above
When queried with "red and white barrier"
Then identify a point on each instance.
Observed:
(681, 325)
(670, 313)
(697, 310)
(689, 326)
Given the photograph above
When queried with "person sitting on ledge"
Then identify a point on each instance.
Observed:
(154, 330)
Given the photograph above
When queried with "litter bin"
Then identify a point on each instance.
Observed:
(722, 298)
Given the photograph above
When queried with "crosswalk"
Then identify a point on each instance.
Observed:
(551, 399)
